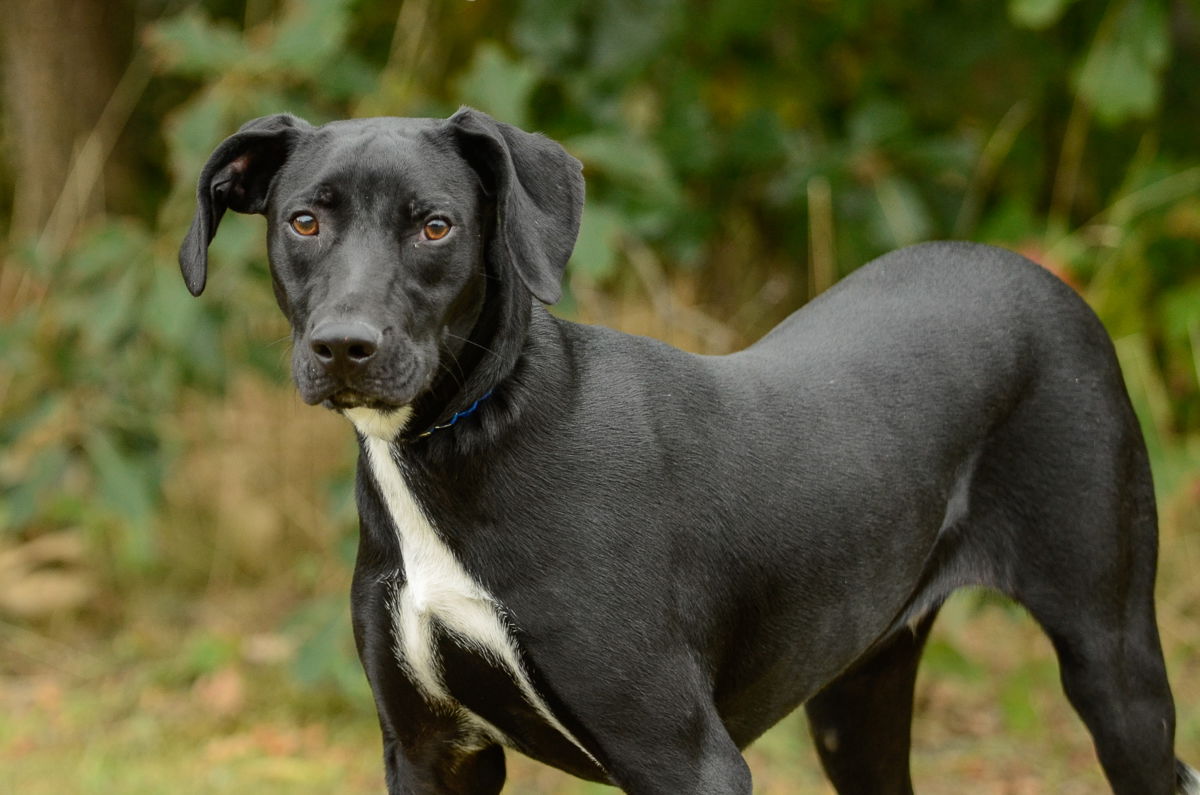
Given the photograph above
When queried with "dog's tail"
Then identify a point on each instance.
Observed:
(1187, 780)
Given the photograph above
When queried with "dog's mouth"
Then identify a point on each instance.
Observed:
(384, 386)
(350, 399)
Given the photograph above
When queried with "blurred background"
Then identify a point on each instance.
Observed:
(177, 529)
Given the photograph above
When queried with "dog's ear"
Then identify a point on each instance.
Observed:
(237, 177)
(538, 193)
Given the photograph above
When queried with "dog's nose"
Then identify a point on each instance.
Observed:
(344, 346)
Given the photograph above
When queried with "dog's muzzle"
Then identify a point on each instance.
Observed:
(344, 348)
(344, 371)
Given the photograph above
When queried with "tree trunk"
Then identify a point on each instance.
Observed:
(61, 61)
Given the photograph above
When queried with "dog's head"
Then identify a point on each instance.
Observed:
(389, 237)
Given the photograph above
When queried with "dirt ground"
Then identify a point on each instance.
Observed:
(117, 715)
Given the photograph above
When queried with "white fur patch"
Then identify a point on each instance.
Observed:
(379, 424)
(1189, 783)
(436, 586)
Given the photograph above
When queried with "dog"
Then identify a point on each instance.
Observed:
(628, 561)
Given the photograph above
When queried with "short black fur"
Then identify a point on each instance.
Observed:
(686, 548)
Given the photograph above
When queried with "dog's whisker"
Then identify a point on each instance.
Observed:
(453, 358)
(457, 376)
(472, 342)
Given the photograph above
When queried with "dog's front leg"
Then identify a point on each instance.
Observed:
(428, 749)
(436, 764)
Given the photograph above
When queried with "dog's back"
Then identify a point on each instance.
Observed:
(627, 560)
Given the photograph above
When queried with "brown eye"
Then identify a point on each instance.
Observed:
(436, 229)
(305, 224)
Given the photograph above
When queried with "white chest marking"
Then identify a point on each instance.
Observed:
(1189, 780)
(436, 586)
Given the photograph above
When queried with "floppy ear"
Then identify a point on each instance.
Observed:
(238, 176)
(538, 193)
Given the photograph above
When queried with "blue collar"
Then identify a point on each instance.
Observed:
(458, 415)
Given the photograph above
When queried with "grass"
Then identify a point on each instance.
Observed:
(125, 715)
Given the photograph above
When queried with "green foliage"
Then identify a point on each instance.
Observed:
(1037, 14)
(192, 45)
(498, 84)
(943, 659)
(113, 342)
(1119, 78)
(1064, 128)
(326, 657)
(81, 430)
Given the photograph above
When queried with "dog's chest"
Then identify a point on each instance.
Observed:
(437, 599)
(436, 594)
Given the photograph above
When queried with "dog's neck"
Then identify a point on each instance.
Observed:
(528, 367)
(480, 351)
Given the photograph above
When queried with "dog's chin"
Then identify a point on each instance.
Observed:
(372, 416)
(345, 399)
(384, 398)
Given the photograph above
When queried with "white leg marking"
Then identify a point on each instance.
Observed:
(437, 586)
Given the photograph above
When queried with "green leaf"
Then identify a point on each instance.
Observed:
(207, 653)
(26, 501)
(547, 29)
(1013, 221)
(498, 85)
(192, 133)
(687, 134)
(725, 20)
(1017, 705)
(102, 323)
(900, 217)
(1180, 310)
(110, 249)
(1020, 715)
(877, 121)
(309, 35)
(128, 491)
(627, 35)
(1036, 14)
(943, 658)
(1120, 76)
(596, 249)
(757, 141)
(348, 78)
(192, 45)
(325, 654)
(629, 160)
(31, 419)
(169, 313)
(240, 242)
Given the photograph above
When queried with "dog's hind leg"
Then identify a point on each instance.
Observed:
(861, 721)
(1115, 678)
(1113, 674)
(1076, 544)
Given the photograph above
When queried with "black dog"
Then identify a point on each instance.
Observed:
(628, 561)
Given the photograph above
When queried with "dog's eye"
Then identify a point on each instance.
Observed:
(436, 229)
(305, 224)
